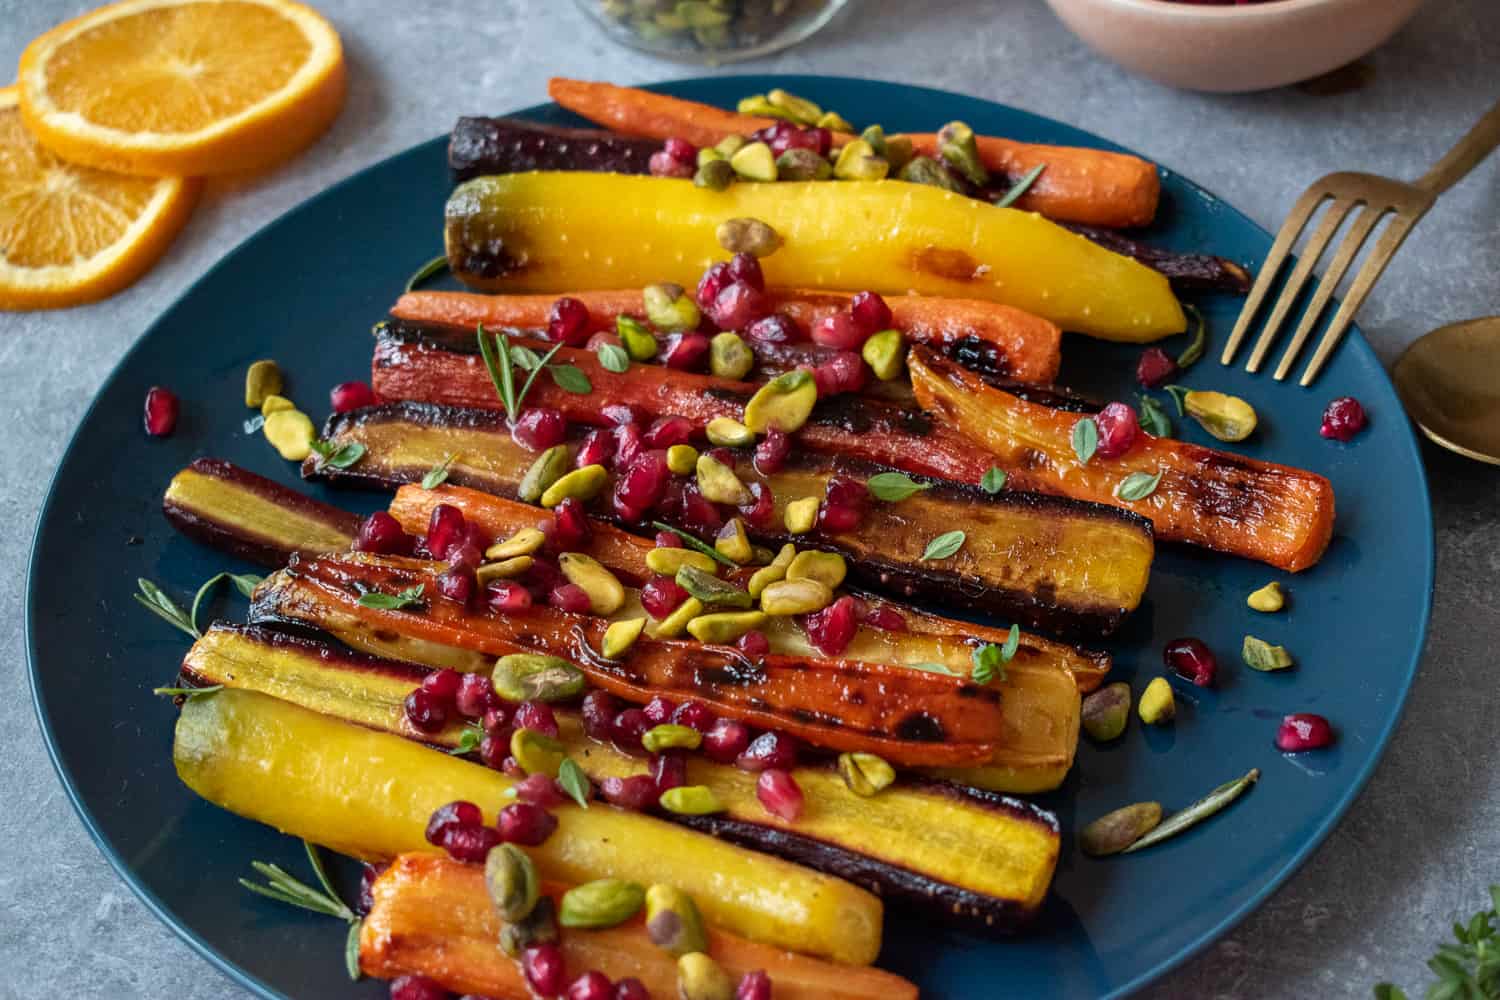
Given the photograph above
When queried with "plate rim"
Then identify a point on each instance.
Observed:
(1204, 939)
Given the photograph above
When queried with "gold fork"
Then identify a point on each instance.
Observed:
(1372, 198)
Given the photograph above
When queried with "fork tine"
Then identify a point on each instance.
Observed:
(1364, 222)
(1286, 236)
(1385, 248)
(1328, 225)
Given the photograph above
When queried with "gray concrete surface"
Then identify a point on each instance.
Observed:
(1414, 853)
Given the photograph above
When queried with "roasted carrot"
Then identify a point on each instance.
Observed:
(1091, 186)
(432, 916)
(1274, 513)
(1028, 348)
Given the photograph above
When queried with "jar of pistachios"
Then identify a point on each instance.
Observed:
(710, 31)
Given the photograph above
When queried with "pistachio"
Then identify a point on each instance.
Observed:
(522, 543)
(865, 773)
(716, 175)
(691, 800)
(671, 736)
(782, 404)
(291, 433)
(262, 379)
(798, 164)
(754, 162)
(795, 597)
(676, 623)
(745, 235)
(673, 920)
(273, 403)
(733, 544)
(581, 484)
(1158, 705)
(714, 37)
(606, 594)
(702, 14)
(827, 568)
(701, 978)
(1228, 418)
(858, 162)
(772, 572)
(718, 483)
(539, 927)
(667, 561)
(926, 170)
(798, 109)
(637, 340)
(537, 753)
(512, 882)
(670, 308)
(801, 515)
(761, 556)
(605, 902)
(1268, 599)
(758, 105)
(708, 154)
(620, 636)
(726, 432)
(729, 145)
(898, 151)
(730, 357)
(505, 569)
(725, 627)
(1115, 831)
(712, 591)
(682, 459)
(549, 467)
(958, 148)
(885, 353)
(1106, 711)
(536, 677)
(834, 122)
(1261, 655)
(875, 136)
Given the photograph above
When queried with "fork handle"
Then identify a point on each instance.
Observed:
(1465, 156)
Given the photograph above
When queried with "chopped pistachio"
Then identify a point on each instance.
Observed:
(1261, 655)
(783, 404)
(273, 403)
(746, 235)
(730, 357)
(620, 636)
(262, 379)
(733, 543)
(754, 162)
(682, 459)
(834, 122)
(718, 483)
(957, 146)
(858, 162)
(676, 623)
(670, 736)
(1115, 831)
(581, 484)
(1158, 705)
(898, 151)
(729, 145)
(716, 175)
(605, 591)
(1226, 417)
(1268, 599)
(512, 882)
(550, 466)
(537, 753)
(637, 340)
(799, 164)
(521, 677)
(504, 569)
(605, 902)
(667, 561)
(795, 597)
(673, 921)
(801, 515)
(708, 154)
(865, 773)
(724, 627)
(827, 568)
(522, 543)
(798, 109)
(670, 308)
(700, 977)
(773, 571)
(726, 432)
(926, 170)
(1106, 711)
(291, 433)
(885, 353)
(691, 800)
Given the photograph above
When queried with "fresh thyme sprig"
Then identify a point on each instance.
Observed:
(284, 888)
(1468, 967)
(156, 601)
(501, 358)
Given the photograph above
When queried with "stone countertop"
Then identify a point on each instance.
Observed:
(1417, 849)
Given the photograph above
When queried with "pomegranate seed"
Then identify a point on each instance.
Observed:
(885, 617)
(661, 596)
(597, 448)
(536, 716)
(525, 824)
(465, 556)
(444, 530)
(161, 411)
(685, 352)
(1156, 368)
(760, 512)
(754, 644)
(1303, 731)
(658, 710)
(754, 985)
(724, 456)
(599, 711)
(668, 771)
(1118, 429)
(425, 711)
(841, 372)
(870, 313)
(739, 305)
(539, 428)
(772, 451)
(496, 720)
(664, 432)
(570, 521)
(381, 533)
(592, 985)
(725, 741)
(698, 515)
(513, 768)
(367, 876)
(507, 596)
(568, 322)
(632, 988)
(694, 715)
(664, 164)
(1343, 419)
(457, 584)
(833, 628)
(616, 414)
(627, 729)
(494, 751)
(417, 988)
(543, 574)
(839, 331)
(773, 329)
(475, 535)
(544, 968)
(667, 540)
(744, 267)
(844, 505)
(1192, 660)
(451, 816)
(681, 150)
(570, 597)
(541, 791)
(644, 482)
(769, 750)
(635, 793)
(469, 843)
(712, 283)
(779, 793)
(348, 396)
(443, 685)
(475, 696)
(627, 444)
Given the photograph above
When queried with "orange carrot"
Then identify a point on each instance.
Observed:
(1090, 186)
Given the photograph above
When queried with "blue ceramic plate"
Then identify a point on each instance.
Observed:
(305, 291)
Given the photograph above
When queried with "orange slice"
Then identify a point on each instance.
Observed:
(183, 87)
(73, 234)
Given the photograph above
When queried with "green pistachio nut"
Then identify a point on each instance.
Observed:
(875, 136)
(733, 543)
(605, 591)
(795, 597)
(801, 515)
(701, 978)
(865, 773)
(701, 14)
(926, 170)
(670, 736)
(885, 353)
(1268, 599)
(782, 404)
(725, 627)
(550, 466)
(761, 556)
(858, 162)
(1115, 831)
(539, 927)
(667, 561)
(673, 921)
(730, 357)
(669, 308)
(512, 882)
(505, 569)
(726, 432)
(828, 568)
(1106, 711)
(798, 164)
(898, 151)
(522, 543)
(960, 150)
(708, 154)
(834, 122)
(756, 104)
(682, 459)
(636, 338)
(799, 109)
(1158, 706)
(605, 902)
(754, 162)
(580, 484)
(676, 623)
(1226, 417)
(729, 145)
(718, 483)
(1261, 655)
(537, 753)
(620, 636)
(536, 677)
(262, 379)
(716, 175)
(691, 800)
(773, 572)
(746, 235)
(712, 591)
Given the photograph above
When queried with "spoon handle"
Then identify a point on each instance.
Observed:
(1465, 156)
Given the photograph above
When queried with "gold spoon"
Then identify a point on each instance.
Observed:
(1450, 383)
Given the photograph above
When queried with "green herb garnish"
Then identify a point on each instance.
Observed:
(1138, 485)
(990, 659)
(155, 600)
(1154, 420)
(934, 668)
(283, 888)
(1178, 394)
(1085, 439)
(696, 545)
(438, 474)
(613, 358)
(895, 486)
(433, 267)
(1198, 811)
(331, 454)
(501, 359)
(1468, 967)
(944, 545)
(1021, 186)
(181, 692)
(573, 781)
(570, 378)
(1194, 350)
(993, 480)
(468, 740)
(392, 602)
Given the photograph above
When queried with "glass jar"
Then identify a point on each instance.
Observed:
(710, 32)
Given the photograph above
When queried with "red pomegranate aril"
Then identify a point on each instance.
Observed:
(658, 710)
(685, 352)
(543, 574)
(616, 414)
(636, 793)
(664, 164)
(840, 373)
(544, 967)
(1155, 368)
(628, 728)
(643, 484)
(367, 876)
(592, 985)
(475, 696)
(470, 843)
(632, 988)
(417, 988)
(739, 305)
(754, 985)
(666, 431)
(539, 428)
(681, 150)
(162, 407)
(443, 685)
(1303, 731)
(773, 329)
(769, 750)
(599, 711)
(1343, 418)
(779, 792)
(839, 331)
(457, 584)
(445, 529)
(669, 771)
(596, 448)
(513, 768)
(381, 533)
(712, 283)
(540, 790)
(661, 596)
(1118, 430)
(698, 515)
(832, 629)
(771, 452)
(1192, 660)
(348, 396)
(568, 322)
(694, 715)
(761, 511)
(667, 540)
(525, 824)
(537, 716)
(745, 267)
(571, 529)
(507, 595)
(569, 597)
(496, 718)
(627, 444)
(450, 816)
(724, 456)
(725, 741)
(885, 617)
(494, 751)
(425, 711)
(870, 313)
(754, 644)
(844, 505)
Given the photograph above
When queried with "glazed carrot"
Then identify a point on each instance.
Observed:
(432, 916)
(1090, 186)
(1276, 514)
(1028, 348)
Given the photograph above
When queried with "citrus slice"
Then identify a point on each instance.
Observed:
(72, 234)
(183, 87)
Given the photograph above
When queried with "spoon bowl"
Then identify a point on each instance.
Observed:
(1449, 381)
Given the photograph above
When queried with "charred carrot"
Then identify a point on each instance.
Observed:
(1274, 513)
